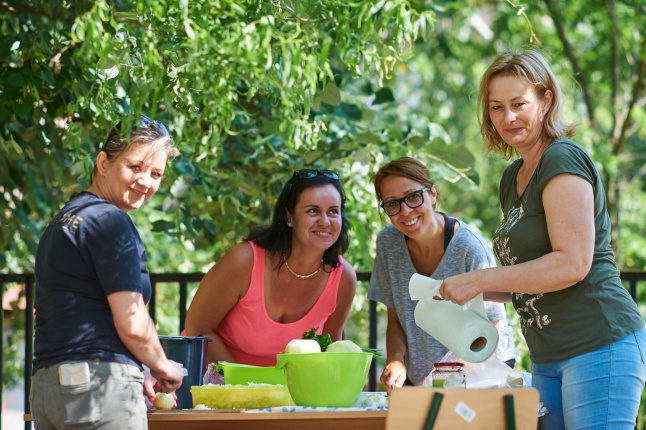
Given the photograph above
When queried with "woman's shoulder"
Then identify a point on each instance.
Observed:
(469, 238)
(238, 259)
(565, 145)
(348, 270)
(348, 279)
(242, 252)
(90, 212)
(388, 233)
(91, 204)
(467, 232)
(566, 156)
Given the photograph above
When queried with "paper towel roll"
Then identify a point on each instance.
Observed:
(466, 332)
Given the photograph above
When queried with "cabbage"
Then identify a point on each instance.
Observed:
(343, 346)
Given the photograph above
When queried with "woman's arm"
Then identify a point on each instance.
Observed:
(137, 331)
(345, 295)
(396, 346)
(569, 210)
(219, 291)
(497, 297)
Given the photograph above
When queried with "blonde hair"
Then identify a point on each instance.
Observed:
(525, 63)
(146, 132)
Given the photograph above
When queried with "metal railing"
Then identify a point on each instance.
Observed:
(629, 277)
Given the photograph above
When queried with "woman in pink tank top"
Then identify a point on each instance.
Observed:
(282, 280)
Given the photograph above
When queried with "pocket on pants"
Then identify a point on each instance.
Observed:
(82, 403)
(640, 338)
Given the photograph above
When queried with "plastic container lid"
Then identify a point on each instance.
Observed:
(236, 373)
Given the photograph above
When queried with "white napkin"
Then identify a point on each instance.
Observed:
(421, 287)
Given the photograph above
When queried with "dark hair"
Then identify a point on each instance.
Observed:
(406, 167)
(144, 132)
(526, 63)
(277, 237)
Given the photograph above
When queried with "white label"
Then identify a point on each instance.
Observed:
(71, 374)
(465, 412)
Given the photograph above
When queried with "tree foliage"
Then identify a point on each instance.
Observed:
(238, 82)
(598, 52)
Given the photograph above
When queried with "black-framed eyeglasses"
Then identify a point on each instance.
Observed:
(412, 200)
(312, 173)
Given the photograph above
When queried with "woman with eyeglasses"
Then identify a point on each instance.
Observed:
(92, 330)
(421, 240)
(282, 280)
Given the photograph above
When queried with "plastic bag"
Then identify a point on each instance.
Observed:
(211, 376)
(491, 373)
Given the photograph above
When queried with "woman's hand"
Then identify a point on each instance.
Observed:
(394, 375)
(149, 385)
(152, 387)
(459, 289)
(169, 378)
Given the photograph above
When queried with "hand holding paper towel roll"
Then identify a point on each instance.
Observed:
(464, 330)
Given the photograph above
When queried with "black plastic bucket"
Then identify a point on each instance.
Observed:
(191, 352)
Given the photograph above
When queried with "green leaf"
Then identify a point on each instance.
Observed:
(351, 111)
(331, 94)
(323, 339)
(17, 79)
(162, 225)
(383, 95)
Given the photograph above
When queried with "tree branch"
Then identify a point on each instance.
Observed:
(569, 52)
(638, 88)
(55, 62)
(615, 72)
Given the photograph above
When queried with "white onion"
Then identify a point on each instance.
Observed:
(164, 401)
(298, 346)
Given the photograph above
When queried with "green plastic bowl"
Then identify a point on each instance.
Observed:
(333, 379)
(237, 373)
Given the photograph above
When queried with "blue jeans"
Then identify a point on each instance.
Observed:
(112, 399)
(597, 390)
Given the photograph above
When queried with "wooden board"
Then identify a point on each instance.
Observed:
(461, 409)
(205, 420)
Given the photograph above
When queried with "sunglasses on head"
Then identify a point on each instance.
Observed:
(311, 173)
(144, 122)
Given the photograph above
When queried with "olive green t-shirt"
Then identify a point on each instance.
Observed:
(588, 315)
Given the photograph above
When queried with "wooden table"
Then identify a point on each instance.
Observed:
(240, 420)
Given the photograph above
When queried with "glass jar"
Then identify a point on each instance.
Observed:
(448, 375)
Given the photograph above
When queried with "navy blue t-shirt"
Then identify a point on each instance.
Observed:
(89, 250)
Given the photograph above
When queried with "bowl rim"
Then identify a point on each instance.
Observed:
(283, 358)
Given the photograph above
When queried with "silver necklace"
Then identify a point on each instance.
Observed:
(298, 275)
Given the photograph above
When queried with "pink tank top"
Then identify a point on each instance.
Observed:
(252, 336)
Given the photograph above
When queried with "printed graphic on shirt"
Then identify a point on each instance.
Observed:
(529, 315)
(68, 221)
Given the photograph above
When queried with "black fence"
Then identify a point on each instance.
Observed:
(183, 280)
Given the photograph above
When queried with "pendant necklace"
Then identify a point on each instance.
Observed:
(298, 275)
